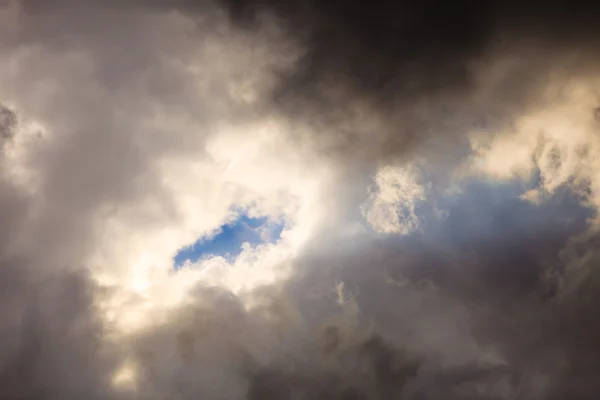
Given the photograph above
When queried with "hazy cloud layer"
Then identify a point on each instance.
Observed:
(434, 168)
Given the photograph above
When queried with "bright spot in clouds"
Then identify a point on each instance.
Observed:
(391, 204)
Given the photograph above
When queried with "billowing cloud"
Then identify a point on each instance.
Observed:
(466, 133)
(391, 205)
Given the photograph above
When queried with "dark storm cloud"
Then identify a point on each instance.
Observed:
(406, 48)
(371, 44)
(424, 68)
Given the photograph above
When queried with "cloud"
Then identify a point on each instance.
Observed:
(8, 121)
(389, 78)
(131, 130)
(558, 142)
(391, 207)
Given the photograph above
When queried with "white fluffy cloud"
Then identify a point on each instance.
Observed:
(391, 204)
(559, 140)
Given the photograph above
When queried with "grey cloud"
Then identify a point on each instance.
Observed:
(490, 289)
(425, 70)
(8, 122)
(52, 341)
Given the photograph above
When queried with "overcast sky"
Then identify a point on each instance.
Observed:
(388, 201)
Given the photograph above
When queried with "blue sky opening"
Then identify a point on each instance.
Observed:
(228, 240)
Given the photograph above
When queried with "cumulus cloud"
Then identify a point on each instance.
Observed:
(466, 133)
(391, 205)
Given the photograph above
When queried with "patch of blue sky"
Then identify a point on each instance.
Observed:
(227, 242)
(495, 210)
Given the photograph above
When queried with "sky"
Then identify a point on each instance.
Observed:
(228, 241)
(325, 200)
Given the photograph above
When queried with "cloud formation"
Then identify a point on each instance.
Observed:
(467, 134)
